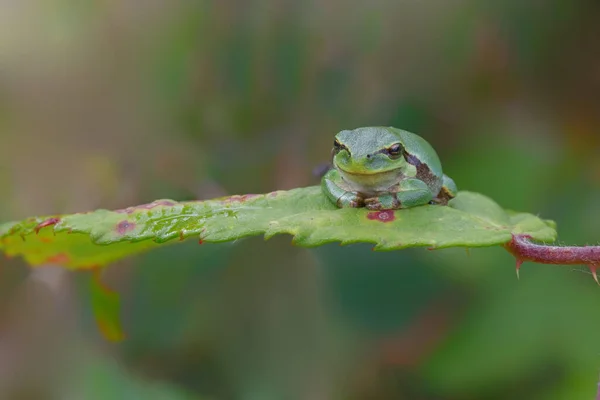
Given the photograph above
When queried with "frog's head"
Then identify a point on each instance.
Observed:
(368, 151)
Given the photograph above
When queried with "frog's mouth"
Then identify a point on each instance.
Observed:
(371, 181)
(366, 173)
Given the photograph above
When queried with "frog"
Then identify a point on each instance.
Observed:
(385, 168)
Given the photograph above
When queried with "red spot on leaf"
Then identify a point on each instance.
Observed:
(48, 222)
(148, 206)
(200, 241)
(239, 198)
(125, 226)
(382, 216)
(232, 199)
(166, 203)
(45, 240)
(60, 258)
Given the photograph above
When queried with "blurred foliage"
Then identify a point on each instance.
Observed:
(108, 104)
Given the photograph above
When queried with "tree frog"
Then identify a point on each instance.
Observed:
(385, 168)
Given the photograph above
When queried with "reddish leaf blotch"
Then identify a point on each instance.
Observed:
(382, 216)
(275, 193)
(239, 198)
(60, 258)
(148, 206)
(125, 226)
(48, 222)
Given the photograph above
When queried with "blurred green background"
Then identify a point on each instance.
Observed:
(107, 104)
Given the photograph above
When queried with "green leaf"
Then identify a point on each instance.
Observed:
(94, 239)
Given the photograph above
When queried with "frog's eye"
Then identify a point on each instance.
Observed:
(395, 150)
(337, 146)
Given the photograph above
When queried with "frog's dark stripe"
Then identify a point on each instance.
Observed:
(423, 171)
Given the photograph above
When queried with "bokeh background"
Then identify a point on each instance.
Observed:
(107, 104)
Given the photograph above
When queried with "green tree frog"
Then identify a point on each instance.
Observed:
(385, 168)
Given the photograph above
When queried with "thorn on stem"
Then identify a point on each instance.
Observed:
(519, 263)
(593, 270)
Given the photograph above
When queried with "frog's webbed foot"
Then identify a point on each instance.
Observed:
(384, 202)
(350, 200)
(332, 186)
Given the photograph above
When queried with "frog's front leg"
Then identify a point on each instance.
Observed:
(333, 186)
(411, 193)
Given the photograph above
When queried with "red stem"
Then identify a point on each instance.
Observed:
(524, 250)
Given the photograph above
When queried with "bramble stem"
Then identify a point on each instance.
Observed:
(524, 250)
